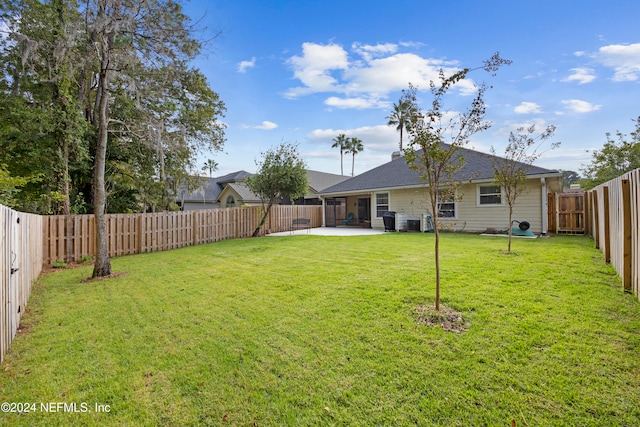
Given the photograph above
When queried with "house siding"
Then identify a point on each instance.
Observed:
(471, 217)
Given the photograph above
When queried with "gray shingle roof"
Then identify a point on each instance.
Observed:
(243, 191)
(318, 181)
(211, 187)
(396, 174)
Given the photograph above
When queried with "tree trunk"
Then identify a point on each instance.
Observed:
(102, 266)
(510, 230)
(263, 220)
(436, 232)
(353, 162)
(437, 256)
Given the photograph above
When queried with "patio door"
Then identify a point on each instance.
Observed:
(334, 208)
(364, 210)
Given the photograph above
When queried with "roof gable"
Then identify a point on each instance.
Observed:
(211, 187)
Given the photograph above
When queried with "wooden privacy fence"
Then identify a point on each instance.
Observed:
(614, 222)
(20, 265)
(71, 238)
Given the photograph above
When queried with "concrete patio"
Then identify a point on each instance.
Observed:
(331, 231)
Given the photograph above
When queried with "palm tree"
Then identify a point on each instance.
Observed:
(341, 142)
(211, 166)
(354, 146)
(399, 117)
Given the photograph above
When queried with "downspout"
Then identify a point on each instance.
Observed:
(323, 211)
(545, 208)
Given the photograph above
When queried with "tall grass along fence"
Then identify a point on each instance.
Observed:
(71, 238)
(20, 264)
(614, 222)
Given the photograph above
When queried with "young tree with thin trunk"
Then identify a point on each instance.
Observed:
(436, 139)
(510, 170)
(281, 173)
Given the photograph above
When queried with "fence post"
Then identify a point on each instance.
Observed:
(626, 234)
(587, 213)
(596, 219)
(607, 230)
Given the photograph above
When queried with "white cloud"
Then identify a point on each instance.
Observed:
(243, 65)
(372, 73)
(356, 103)
(510, 127)
(528, 108)
(581, 75)
(624, 59)
(314, 68)
(533, 76)
(579, 106)
(266, 125)
(375, 138)
(369, 51)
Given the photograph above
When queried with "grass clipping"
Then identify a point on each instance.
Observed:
(449, 319)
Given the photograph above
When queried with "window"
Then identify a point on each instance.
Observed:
(231, 202)
(489, 195)
(446, 204)
(382, 204)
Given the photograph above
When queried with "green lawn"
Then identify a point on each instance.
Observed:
(311, 330)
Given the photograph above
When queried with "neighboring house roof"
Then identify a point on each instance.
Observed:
(211, 187)
(396, 173)
(241, 189)
(318, 181)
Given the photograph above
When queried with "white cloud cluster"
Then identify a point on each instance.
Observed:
(623, 58)
(243, 65)
(581, 75)
(364, 76)
(579, 106)
(528, 108)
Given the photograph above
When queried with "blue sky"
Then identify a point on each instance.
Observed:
(305, 71)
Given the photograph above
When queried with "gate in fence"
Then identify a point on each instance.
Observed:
(20, 265)
(566, 213)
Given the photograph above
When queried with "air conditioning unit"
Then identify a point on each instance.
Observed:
(401, 222)
(414, 224)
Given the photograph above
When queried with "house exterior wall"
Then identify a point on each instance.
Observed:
(470, 215)
(476, 218)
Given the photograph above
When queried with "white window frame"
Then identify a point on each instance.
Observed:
(479, 196)
(388, 204)
(454, 201)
